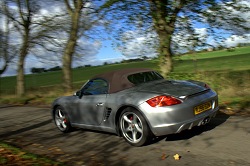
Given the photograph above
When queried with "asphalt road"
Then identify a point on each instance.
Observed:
(224, 141)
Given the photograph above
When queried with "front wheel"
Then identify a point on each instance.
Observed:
(61, 120)
(133, 127)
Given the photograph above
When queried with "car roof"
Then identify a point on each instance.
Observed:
(118, 80)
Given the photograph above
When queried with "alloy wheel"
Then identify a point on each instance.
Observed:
(60, 120)
(131, 127)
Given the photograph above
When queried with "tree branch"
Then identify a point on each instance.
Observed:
(20, 10)
(177, 10)
(69, 9)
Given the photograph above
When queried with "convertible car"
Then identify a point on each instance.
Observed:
(136, 104)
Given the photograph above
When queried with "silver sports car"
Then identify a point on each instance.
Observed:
(136, 104)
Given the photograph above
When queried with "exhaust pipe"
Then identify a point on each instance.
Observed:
(205, 121)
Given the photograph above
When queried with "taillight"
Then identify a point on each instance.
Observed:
(207, 86)
(160, 101)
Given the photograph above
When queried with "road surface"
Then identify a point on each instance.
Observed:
(224, 141)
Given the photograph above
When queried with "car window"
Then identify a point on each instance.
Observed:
(143, 77)
(95, 87)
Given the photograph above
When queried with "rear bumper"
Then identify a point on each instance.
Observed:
(176, 118)
(165, 129)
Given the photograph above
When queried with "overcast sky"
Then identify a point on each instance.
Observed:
(97, 52)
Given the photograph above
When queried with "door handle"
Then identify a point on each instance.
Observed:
(99, 104)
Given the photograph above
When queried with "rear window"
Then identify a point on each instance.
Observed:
(143, 77)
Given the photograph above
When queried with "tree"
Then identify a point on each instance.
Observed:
(40, 32)
(21, 20)
(170, 17)
(105, 63)
(35, 70)
(7, 51)
(31, 30)
(81, 19)
(74, 12)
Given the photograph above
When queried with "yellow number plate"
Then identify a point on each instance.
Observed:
(203, 107)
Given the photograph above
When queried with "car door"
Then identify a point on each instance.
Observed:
(92, 102)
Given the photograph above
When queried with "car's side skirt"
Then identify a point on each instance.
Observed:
(92, 127)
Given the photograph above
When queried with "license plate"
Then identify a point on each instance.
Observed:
(202, 108)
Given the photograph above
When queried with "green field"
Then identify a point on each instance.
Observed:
(214, 54)
(227, 63)
(223, 70)
(79, 75)
(219, 61)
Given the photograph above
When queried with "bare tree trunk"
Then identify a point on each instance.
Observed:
(25, 23)
(72, 41)
(165, 64)
(67, 63)
(20, 85)
(164, 24)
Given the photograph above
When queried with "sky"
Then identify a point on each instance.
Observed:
(101, 51)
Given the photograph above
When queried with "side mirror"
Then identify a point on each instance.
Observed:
(78, 93)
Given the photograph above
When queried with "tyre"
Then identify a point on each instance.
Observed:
(61, 120)
(134, 127)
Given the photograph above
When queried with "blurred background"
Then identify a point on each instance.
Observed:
(51, 48)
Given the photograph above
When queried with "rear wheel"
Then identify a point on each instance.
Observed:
(133, 127)
(61, 120)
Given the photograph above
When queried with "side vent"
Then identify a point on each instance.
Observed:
(107, 114)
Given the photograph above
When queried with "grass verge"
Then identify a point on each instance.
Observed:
(10, 155)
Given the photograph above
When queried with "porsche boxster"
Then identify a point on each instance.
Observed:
(136, 104)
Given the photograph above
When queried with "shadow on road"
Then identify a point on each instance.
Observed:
(25, 129)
